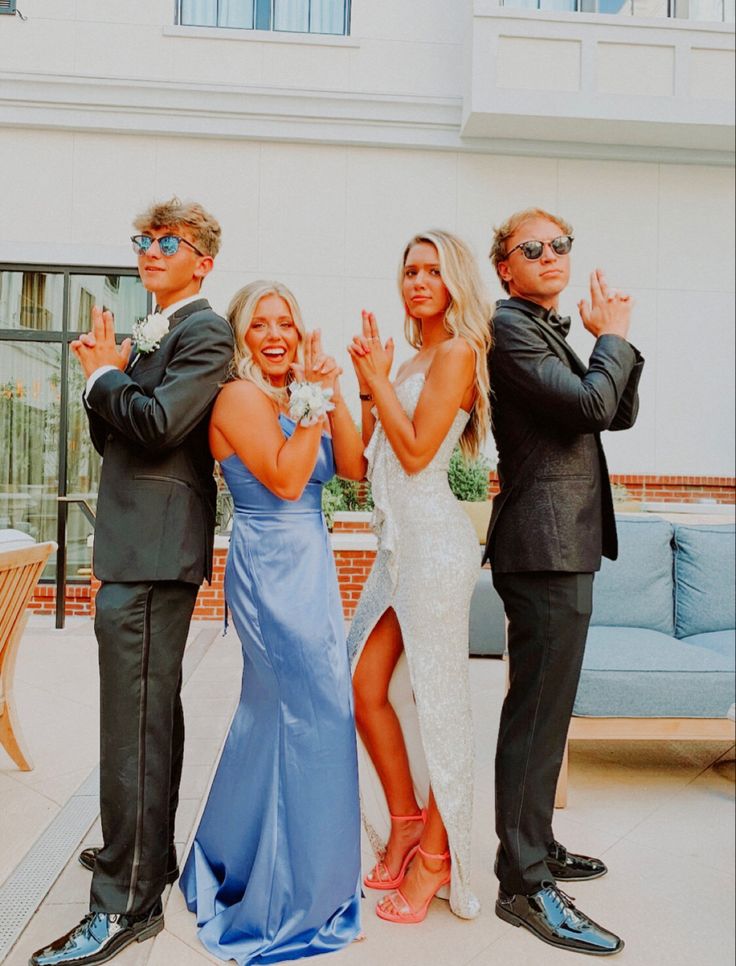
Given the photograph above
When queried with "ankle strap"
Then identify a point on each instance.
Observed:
(432, 855)
(421, 817)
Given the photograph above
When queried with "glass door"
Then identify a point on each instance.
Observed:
(45, 450)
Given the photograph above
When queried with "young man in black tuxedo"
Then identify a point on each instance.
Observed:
(148, 407)
(551, 522)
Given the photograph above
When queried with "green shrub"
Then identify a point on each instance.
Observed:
(469, 478)
(339, 495)
(468, 481)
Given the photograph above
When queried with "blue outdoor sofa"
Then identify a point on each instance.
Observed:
(659, 662)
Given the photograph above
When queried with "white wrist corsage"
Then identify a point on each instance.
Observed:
(309, 402)
(148, 332)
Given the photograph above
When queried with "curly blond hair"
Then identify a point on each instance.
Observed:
(502, 234)
(174, 213)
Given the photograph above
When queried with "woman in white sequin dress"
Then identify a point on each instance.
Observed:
(409, 637)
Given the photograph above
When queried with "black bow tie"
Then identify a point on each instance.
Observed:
(560, 323)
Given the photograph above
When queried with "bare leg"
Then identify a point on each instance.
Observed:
(381, 734)
(380, 731)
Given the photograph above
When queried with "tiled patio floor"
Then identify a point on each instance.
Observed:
(658, 813)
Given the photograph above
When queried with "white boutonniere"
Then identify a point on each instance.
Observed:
(309, 402)
(148, 332)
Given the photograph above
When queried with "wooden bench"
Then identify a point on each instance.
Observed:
(20, 570)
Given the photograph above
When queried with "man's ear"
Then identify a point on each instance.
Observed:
(504, 271)
(204, 266)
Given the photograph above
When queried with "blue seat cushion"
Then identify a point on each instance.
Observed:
(705, 577)
(637, 590)
(632, 672)
(722, 642)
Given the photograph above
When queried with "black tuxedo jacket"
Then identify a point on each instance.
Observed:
(156, 503)
(555, 510)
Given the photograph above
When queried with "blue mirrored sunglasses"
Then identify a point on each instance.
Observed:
(167, 244)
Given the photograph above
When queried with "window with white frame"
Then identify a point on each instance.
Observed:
(296, 16)
(704, 10)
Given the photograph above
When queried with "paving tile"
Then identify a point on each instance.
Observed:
(697, 824)
(73, 884)
(93, 836)
(195, 781)
(49, 922)
(60, 788)
(180, 922)
(441, 940)
(617, 785)
(206, 727)
(186, 814)
(206, 707)
(202, 751)
(213, 688)
(657, 813)
(580, 837)
(169, 950)
(25, 814)
(665, 906)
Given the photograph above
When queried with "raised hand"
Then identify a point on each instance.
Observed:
(608, 312)
(97, 347)
(371, 359)
(317, 366)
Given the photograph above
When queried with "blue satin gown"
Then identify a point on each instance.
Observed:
(273, 873)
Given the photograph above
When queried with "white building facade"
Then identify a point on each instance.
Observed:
(322, 152)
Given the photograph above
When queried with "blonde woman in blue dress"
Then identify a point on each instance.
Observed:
(409, 637)
(273, 873)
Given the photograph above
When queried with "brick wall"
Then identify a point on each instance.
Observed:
(679, 489)
(664, 489)
(210, 599)
(353, 565)
(76, 605)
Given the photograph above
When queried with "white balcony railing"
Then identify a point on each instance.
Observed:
(708, 11)
(645, 87)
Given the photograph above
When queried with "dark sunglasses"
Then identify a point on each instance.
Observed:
(167, 244)
(534, 249)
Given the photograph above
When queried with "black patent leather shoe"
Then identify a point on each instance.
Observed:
(552, 917)
(568, 867)
(88, 857)
(98, 938)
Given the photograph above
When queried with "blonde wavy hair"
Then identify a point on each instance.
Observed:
(468, 316)
(240, 314)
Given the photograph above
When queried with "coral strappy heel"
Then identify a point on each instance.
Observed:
(379, 877)
(407, 915)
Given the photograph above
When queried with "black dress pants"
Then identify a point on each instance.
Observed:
(141, 633)
(548, 615)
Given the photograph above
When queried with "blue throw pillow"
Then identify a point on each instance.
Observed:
(705, 574)
(637, 589)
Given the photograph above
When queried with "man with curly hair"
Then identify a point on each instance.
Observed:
(148, 407)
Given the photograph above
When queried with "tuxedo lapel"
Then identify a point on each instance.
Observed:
(555, 339)
(186, 310)
(562, 347)
(139, 358)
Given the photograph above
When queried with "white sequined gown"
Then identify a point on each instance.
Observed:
(426, 567)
